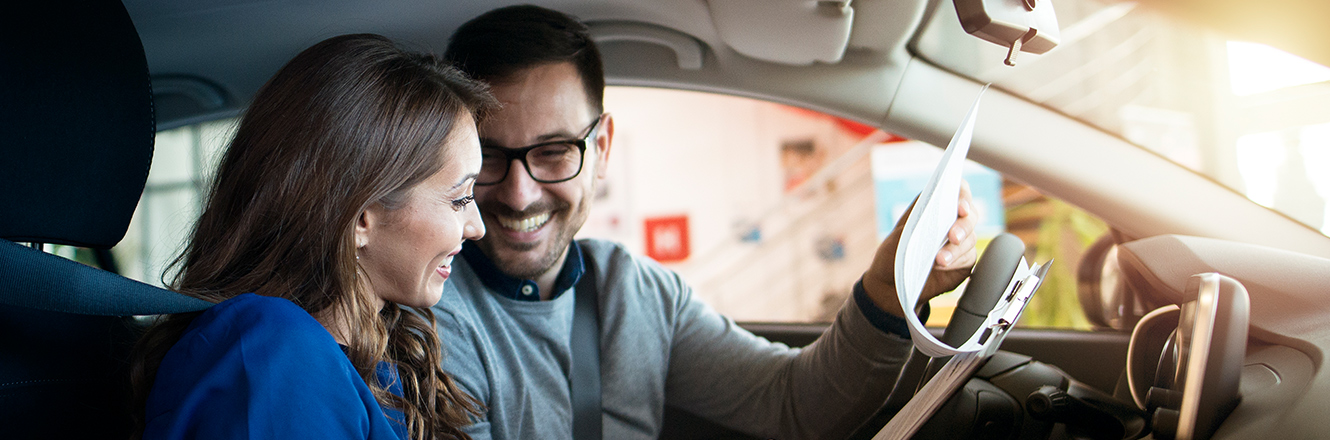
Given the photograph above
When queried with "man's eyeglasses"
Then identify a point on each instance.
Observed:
(546, 162)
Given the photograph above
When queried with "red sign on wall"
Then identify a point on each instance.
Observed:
(667, 238)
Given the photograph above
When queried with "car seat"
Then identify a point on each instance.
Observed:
(76, 139)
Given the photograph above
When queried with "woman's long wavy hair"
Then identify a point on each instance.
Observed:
(348, 123)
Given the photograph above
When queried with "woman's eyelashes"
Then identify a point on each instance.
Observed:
(461, 203)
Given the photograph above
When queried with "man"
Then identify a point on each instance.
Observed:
(506, 318)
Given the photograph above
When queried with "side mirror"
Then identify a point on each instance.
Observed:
(1019, 25)
(1105, 295)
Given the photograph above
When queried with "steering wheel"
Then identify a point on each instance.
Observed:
(988, 281)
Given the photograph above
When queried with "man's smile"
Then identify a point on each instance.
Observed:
(526, 224)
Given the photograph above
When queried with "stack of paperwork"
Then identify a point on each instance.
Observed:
(924, 235)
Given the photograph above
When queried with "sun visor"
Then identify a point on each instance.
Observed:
(787, 32)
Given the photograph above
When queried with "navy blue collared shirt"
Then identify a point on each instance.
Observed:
(574, 266)
(519, 289)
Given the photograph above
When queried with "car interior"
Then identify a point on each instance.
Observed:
(1208, 308)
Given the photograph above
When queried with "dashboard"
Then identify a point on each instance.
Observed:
(1234, 343)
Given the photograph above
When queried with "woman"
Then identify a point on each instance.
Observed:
(345, 193)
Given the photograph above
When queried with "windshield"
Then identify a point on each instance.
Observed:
(1249, 116)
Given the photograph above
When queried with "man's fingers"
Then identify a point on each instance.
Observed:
(956, 255)
(960, 259)
(960, 248)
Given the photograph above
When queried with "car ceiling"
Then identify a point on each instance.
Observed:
(209, 57)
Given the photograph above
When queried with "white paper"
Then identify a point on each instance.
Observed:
(925, 233)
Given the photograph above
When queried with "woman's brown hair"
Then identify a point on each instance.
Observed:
(348, 123)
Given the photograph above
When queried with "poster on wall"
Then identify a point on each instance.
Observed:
(667, 238)
(800, 159)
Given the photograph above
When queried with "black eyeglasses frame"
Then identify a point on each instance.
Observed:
(519, 154)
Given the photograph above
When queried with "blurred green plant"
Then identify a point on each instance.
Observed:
(1063, 234)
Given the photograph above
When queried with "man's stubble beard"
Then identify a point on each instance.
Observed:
(531, 269)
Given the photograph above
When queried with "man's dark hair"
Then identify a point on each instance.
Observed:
(499, 43)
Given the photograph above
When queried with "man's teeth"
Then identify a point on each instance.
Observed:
(526, 224)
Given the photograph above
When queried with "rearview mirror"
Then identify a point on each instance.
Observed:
(1019, 25)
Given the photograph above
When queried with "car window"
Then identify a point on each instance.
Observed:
(1249, 116)
(182, 162)
(771, 212)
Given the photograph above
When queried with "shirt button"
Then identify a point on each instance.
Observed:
(528, 290)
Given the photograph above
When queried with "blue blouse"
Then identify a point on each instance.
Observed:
(262, 368)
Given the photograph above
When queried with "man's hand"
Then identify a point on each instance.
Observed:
(951, 266)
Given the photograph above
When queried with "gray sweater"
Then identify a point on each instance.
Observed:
(659, 345)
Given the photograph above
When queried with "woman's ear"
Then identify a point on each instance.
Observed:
(365, 225)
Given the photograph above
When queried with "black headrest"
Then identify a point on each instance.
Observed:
(76, 122)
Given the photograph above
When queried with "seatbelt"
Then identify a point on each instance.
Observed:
(584, 379)
(38, 280)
